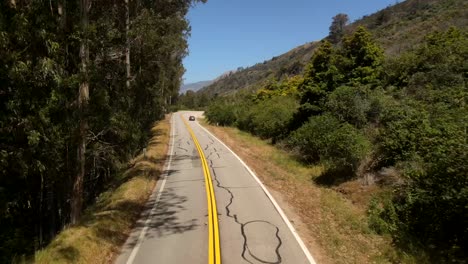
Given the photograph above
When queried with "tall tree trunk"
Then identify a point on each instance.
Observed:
(62, 12)
(127, 47)
(83, 98)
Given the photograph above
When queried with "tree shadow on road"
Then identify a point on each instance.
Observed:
(105, 225)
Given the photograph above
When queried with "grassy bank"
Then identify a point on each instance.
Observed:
(106, 225)
(334, 221)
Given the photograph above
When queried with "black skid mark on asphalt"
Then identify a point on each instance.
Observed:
(211, 153)
(184, 149)
(216, 151)
(246, 248)
(188, 142)
(211, 139)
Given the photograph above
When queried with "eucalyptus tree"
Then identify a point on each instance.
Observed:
(81, 82)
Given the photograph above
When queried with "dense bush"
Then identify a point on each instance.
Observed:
(425, 136)
(433, 207)
(324, 138)
(244, 116)
(221, 113)
(267, 118)
(405, 129)
(349, 104)
(270, 118)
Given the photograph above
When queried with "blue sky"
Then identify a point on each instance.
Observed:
(227, 34)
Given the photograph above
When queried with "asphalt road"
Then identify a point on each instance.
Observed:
(174, 229)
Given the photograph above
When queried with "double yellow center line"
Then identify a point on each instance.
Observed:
(214, 250)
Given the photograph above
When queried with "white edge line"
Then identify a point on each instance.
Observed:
(132, 256)
(273, 201)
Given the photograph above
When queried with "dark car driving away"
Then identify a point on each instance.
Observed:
(191, 118)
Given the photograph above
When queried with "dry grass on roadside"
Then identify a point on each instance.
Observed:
(106, 225)
(336, 228)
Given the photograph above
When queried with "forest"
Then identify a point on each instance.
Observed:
(398, 121)
(81, 83)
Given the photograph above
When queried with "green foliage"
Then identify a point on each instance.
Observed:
(270, 118)
(221, 113)
(192, 100)
(363, 58)
(430, 147)
(406, 128)
(322, 70)
(424, 135)
(357, 63)
(39, 113)
(324, 138)
(349, 104)
(383, 218)
(438, 64)
(287, 87)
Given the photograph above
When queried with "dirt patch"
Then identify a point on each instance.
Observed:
(357, 193)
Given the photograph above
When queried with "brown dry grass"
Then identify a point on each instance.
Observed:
(106, 225)
(332, 222)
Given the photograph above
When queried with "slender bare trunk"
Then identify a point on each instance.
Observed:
(41, 211)
(83, 97)
(62, 12)
(127, 47)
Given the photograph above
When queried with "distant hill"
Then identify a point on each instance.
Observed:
(194, 86)
(397, 28)
(200, 85)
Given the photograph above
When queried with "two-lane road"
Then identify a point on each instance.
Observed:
(176, 227)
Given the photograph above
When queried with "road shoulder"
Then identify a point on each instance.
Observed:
(106, 224)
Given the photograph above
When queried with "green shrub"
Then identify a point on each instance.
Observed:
(349, 104)
(244, 116)
(404, 128)
(382, 216)
(324, 138)
(221, 113)
(431, 206)
(424, 134)
(271, 117)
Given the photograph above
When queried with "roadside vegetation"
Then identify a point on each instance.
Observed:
(333, 225)
(396, 122)
(105, 225)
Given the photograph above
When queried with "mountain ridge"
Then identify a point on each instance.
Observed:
(194, 86)
(396, 28)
